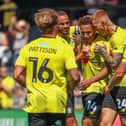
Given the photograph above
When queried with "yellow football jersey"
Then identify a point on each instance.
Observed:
(70, 40)
(7, 100)
(124, 56)
(118, 40)
(46, 60)
(123, 81)
(94, 65)
(118, 45)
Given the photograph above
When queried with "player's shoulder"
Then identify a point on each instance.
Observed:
(119, 35)
(99, 38)
(31, 43)
(72, 28)
(61, 41)
(120, 31)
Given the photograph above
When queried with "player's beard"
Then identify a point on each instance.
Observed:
(64, 33)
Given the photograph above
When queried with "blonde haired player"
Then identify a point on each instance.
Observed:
(115, 101)
(45, 64)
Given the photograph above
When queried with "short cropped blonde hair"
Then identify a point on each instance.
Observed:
(45, 19)
(101, 15)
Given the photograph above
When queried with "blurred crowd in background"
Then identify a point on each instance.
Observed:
(17, 28)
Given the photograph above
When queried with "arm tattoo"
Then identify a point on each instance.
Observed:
(113, 61)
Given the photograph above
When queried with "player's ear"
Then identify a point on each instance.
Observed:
(55, 27)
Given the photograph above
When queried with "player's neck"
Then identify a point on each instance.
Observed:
(49, 35)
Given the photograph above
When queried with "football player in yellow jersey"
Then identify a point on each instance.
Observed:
(92, 63)
(115, 101)
(7, 85)
(66, 32)
(41, 67)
